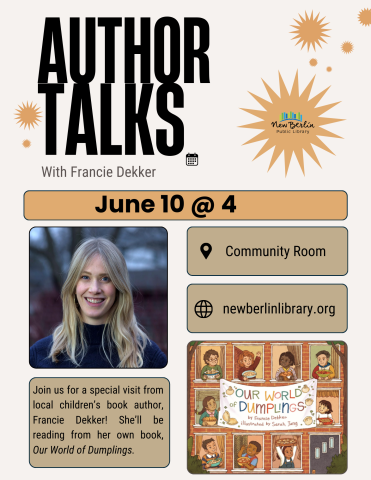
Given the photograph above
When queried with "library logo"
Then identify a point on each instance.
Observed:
(291, 123)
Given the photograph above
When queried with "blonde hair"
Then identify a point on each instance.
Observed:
(121, 329)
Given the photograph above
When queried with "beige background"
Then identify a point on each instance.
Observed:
(154, 452)
(228, 295)
(250, 41)
(334, 240)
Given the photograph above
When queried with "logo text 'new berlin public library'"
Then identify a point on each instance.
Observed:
(292, 120)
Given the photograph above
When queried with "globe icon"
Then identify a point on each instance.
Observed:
(203, 309)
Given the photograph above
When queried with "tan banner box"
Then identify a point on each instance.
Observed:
(185, 205)
(267, 251)
(99, 422)
(267, 308)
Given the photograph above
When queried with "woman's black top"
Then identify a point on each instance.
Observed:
(95, 356)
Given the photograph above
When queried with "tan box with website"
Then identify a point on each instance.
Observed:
(267, 308)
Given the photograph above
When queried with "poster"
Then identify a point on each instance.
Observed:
(179, 177)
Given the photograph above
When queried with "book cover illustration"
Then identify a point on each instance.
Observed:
(267, 407)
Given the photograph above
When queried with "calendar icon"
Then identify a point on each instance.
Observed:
(192, 159)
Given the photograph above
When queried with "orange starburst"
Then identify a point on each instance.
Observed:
(365, 17)
(280, 134)
(347, 47)
(28, 115)
(310, 31)
(26, 143)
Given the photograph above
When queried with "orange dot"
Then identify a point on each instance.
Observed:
(26, 143)
(313, 62)
(329, 69)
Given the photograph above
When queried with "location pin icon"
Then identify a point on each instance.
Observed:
(206, 249)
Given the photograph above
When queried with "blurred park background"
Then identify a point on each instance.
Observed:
(145, 252)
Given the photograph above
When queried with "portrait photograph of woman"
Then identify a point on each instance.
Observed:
(105, 318)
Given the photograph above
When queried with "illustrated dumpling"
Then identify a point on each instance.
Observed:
(305, 389)
(308, 420)
(233, 421)
(230, 391)
(309, 402)
(226, 416)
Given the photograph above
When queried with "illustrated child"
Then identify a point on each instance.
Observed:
(211, 360)
(324, 411)
(246, 362)
(209, 410)
(251, 450)
(286, 455)
(286, 372)
(323, 358)
(211, 453)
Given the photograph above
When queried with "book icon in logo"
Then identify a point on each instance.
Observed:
(291, 116)
(192, 159)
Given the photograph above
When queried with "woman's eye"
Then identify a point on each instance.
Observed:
(85, 277)
(105, 279)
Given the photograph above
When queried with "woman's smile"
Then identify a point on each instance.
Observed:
(95, 292)
(94, 301)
